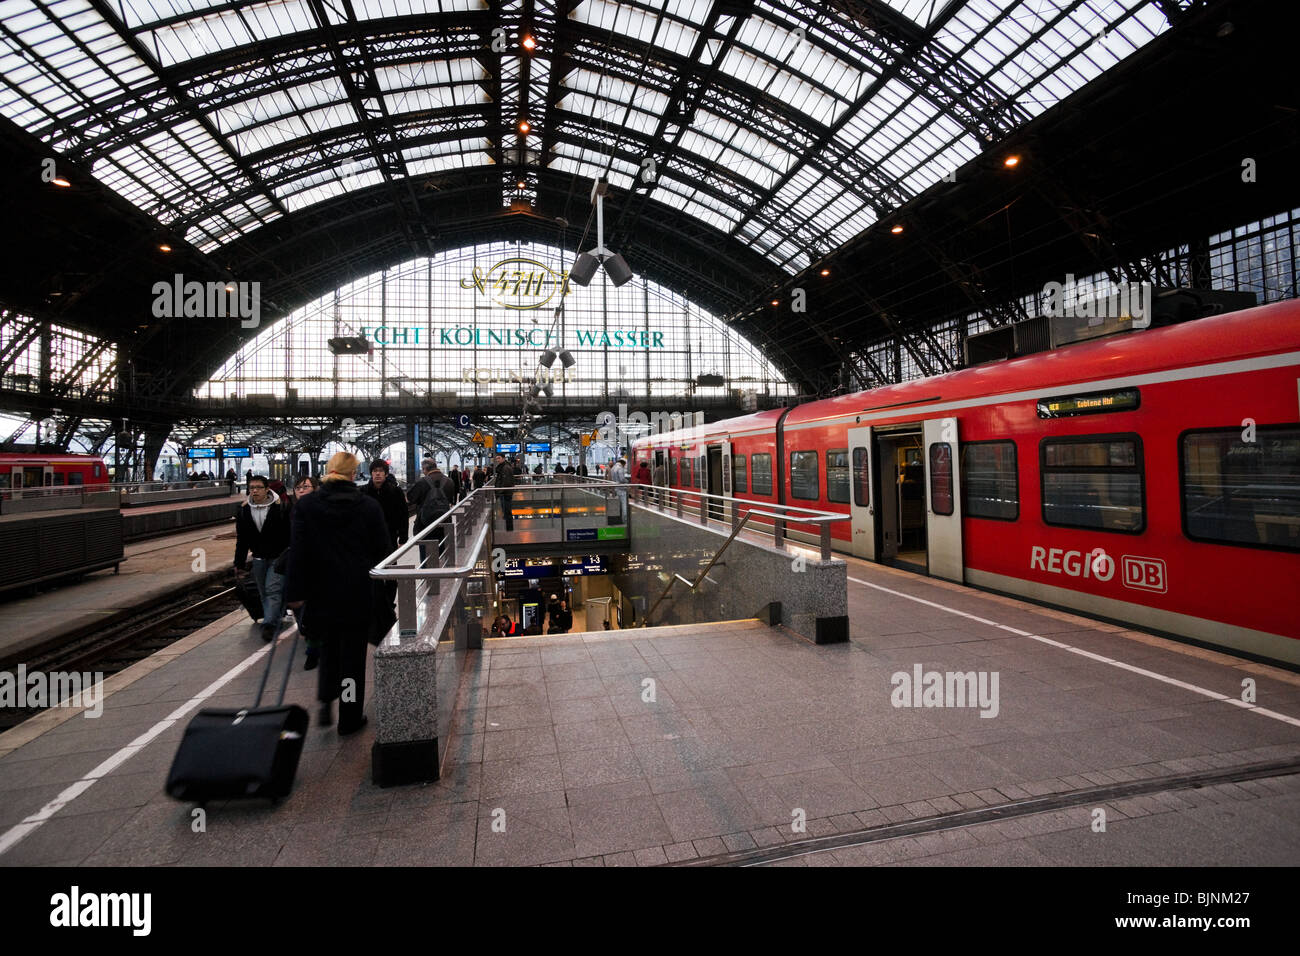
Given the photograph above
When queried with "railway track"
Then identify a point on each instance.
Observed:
(118, 645)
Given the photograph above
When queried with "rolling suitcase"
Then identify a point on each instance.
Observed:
(246, 590)
(232, 754)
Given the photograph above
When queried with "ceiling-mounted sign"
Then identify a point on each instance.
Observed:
(518, 283)
(462, 421)
(478, 437)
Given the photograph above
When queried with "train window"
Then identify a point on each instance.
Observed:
(804, 480)
(837, 475)
(739, 475)
(686, 473)
(861, 478)
(58, 479)
(1093, 481)
(1242, 492)
(941, 478)
(762, 477)
(4, 481)
(76, 478)
(699, 472)
(97, 467)
(989, 485)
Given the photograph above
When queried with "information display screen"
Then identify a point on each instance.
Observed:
(508, 447)
(236, 452)
(203, 453)
(1093, 403)
(538, 448)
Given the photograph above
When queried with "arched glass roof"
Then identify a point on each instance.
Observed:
(788, 126)
(471, 325)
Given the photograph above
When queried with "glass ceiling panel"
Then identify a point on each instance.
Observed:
(1032, 53)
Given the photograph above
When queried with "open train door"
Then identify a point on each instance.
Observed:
(862, 509)
(943, 500)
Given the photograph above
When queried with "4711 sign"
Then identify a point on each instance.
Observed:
(518, 283)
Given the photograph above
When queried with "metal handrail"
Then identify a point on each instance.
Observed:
(663, 496)
(645, 621)
(385, 570)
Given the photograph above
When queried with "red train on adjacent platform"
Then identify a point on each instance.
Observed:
(41, 470)
(1151, 478)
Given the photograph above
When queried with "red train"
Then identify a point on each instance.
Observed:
(42, 470)
(1150, 478)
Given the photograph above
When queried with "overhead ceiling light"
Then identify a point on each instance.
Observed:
(60, 181)
(528, 43)
(826, 272)
(1011, 161)
(548, 358)
(776, 301)
(525, 126)
(521, 184)
(566, 357)
(163, 247)
(896, 230)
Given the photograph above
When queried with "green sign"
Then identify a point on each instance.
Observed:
(609, 534)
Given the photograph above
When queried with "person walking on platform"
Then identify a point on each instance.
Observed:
(262, 529)
(659, 479)
(618, 475)
(453, 476)
(338, 535)
(305, 485)
(432, 496)
(505, 478)
(642, 478)
(383, 488)
(480, 477)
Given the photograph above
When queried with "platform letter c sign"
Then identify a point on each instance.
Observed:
(349, 695)
(1248, 690)
(1099, 820)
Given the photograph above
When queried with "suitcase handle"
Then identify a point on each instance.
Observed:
(270, 657)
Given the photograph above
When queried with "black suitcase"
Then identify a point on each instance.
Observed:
(246, 590)
(233, 754)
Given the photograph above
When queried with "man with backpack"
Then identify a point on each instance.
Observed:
(432, 496)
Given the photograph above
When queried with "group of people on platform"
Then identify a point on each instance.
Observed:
(310, 553)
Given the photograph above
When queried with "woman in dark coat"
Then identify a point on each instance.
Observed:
(337, 536)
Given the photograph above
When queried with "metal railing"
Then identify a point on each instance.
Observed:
(725, 508)
(464, 531)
